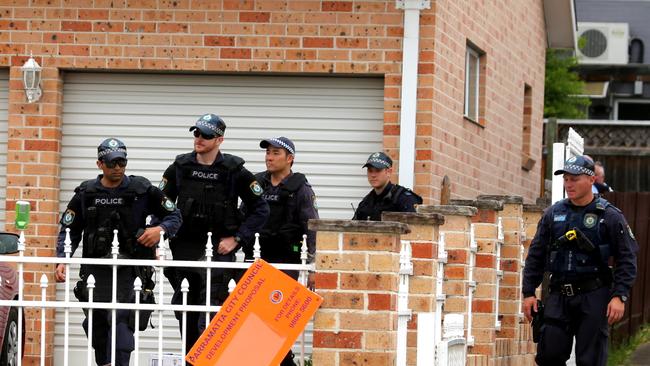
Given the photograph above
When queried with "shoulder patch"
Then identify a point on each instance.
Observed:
(162, 184)
(168, 205)
(68, 217)
(313, 200)
(256, 188)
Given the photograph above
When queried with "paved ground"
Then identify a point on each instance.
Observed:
(641, 356)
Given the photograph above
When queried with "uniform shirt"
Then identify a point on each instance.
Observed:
(371, 207)
(623, 248)
(151, 203)
(244, 182)
(304, 210)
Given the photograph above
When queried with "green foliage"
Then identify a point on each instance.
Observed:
(562, 85)
(621, 354)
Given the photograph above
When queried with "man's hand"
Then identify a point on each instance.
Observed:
(150, 237)
(60, 272)
(615, 310)
(530, 305)
(227, 245)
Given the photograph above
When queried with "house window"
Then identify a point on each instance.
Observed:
(633, 110)
(474, 84)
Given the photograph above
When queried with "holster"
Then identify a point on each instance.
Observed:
(146, 297)
(538, 321)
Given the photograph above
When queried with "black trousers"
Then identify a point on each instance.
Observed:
(124, 341)
(219, 278)
(582, 316)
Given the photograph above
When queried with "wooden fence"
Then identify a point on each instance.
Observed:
(636, 208)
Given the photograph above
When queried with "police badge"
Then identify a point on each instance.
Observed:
(590, 220)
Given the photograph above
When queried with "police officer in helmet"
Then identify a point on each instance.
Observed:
(205, 184)
(575, 239)
(385, 196)
(114, 201)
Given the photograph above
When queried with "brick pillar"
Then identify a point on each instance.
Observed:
(357, 265)
(485, 275)
(509, 336)
(424, 245)
(33, 154)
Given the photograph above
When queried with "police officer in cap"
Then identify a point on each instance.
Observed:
(575, 239)
(385, 196)
(205, 184)
(114, 201)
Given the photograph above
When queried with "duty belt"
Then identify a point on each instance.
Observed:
(575, 288)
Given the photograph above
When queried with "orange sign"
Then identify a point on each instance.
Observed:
(268, 308)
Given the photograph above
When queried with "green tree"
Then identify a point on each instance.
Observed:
(562, 85)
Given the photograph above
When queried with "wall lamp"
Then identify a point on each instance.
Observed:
(32, 80)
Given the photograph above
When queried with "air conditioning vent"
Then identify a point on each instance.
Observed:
(603, 43)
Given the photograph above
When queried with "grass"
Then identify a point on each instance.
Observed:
(620, 355)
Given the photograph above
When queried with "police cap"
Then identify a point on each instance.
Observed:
(379, 160)
(210, 124)
(578, 165)
(111, 149)
(281, 142)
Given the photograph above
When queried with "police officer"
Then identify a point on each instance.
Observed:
(574, 241)
(205, 184)
(292, 203)
(114, 201)
(385, 196)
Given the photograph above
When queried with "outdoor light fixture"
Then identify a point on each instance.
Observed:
(32, 79)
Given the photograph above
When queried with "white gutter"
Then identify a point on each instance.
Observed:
(410, 59)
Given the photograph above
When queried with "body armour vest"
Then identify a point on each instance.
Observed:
(281, 237)
(372, 208)
(567, 261)
(207, 198)
(106, 211)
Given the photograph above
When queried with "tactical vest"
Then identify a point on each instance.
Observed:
(106, 211)
(281, 236)
(207, 198)
(568, 262)
(371, 209)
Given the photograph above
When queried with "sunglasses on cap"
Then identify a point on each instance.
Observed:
(200, 134)
(117, 162)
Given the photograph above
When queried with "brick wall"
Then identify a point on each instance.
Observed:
(292, 37)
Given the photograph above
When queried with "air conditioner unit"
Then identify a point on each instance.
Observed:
(603, 43)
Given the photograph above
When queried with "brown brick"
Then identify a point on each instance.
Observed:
(368, 281)
(317, 42)
(254, 17)
(230, 53)
(336, 6)
(326, 339)
(381, 302)
(326, 280)
(40, 145)
(76, 26)
(367, 358)
(341, 300)
(220, 41)
(369, 241)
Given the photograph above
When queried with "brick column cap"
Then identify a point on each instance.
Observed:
(383, 227)
(534, 208)
(448, 210)
(481, 204)
(414, 218)
(503, 198)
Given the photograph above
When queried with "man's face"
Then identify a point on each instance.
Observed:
(277, 159)
(378, 178)
(578, 186)
(113, 170)
(203, 145)
(600, 174)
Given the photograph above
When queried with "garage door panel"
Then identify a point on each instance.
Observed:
(335, 122)
(4, 105)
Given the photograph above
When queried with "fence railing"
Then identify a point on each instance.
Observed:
(164, 260)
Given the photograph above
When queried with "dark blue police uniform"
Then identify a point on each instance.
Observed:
(207, 199)
(581, 282)
(94, 212)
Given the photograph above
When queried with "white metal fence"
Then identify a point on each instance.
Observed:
(163, 261)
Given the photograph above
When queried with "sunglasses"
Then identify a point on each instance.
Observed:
(117, 162)
(200, 134)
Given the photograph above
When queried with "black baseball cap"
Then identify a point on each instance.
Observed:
(281, 142)
(111, 149)
(578, 165)
(379, 160)
(210, 124)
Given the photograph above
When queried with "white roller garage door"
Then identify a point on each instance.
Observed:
(4, 105)
(335, 123)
